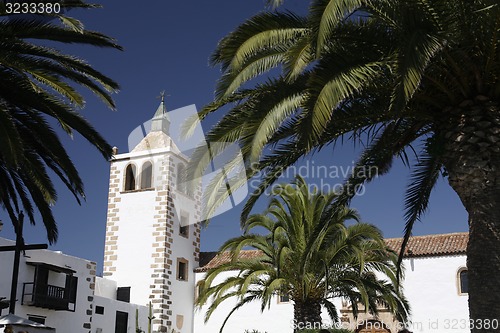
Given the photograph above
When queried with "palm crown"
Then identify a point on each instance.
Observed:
(398, 76)
(310, 254)
(36, 88)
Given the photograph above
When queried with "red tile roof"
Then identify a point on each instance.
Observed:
(418, 246)
(432, 245)
(210, 260)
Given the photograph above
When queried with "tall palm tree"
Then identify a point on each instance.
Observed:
(37, 89)
(309, 254)
(401, 77)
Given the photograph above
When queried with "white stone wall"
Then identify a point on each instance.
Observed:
(143, 243)
(430, 285)
(64, 321)
(134, 235)
(277, 319)
(183, 248)
(105, 297)
(105, 323)
(92, 291)
(105, 288)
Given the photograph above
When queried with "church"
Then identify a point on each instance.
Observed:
(152, 264)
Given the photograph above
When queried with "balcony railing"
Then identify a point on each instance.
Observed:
(47, 296)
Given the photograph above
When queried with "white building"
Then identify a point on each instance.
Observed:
(152, 244)
(152, 257)
(435, 285)
(436, 282)
(63, 292)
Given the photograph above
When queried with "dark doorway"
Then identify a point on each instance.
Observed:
(121, 322)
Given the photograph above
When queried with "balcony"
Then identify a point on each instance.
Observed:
(40, 293)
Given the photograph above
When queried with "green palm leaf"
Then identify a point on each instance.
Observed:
(38, 83)
(307, 251)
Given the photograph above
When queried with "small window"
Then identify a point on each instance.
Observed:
(184, 226)
(181, 178)
(37, 319)
(284, 298)
(182, 269)
(463, 282)
(184, 231)
(146, 175)
(130, 177)
(123, 294)
(99, 310)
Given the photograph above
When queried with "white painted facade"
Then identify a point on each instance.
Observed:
(80, 316)
(64, 321)
(105, 306)
(431, 286)
(145, 246)
(277, 319)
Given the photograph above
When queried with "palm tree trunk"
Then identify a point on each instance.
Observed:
(307, 314)
(472, 160)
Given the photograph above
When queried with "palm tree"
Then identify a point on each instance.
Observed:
(309, 254)
(400, 77)
(37, 90)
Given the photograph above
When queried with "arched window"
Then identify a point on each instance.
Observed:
(130, 177)
(181, 178)
(463, 281)
(146, 175)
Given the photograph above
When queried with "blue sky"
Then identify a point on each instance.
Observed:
(167, 45)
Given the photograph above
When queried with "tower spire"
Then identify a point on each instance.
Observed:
(161, 121)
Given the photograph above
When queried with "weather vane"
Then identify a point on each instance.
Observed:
(162, 95)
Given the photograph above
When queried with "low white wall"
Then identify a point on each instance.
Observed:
(105, 288)
(430, 285)
(105, 323)
(277, 319)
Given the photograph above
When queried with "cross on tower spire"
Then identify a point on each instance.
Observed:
(162, 96)
(161, 121)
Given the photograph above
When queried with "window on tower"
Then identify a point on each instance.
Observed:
(182, 269)
(146, 175)
(130, 173)
(184, 226)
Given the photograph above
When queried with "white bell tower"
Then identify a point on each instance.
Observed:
(152, 240)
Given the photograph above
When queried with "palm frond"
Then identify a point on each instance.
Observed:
(38, 83)
(423, 180)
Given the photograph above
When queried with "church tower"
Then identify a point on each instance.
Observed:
(152, 235)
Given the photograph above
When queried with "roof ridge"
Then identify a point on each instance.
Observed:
(431, 235)
(419, 246)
